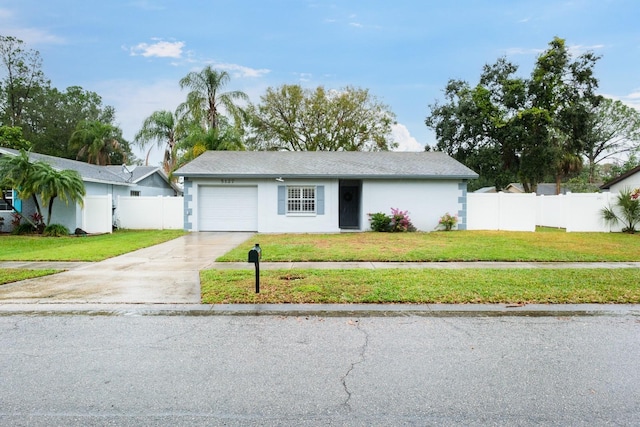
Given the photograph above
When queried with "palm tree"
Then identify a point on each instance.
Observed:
(625, 210)
(16, 172)
(67, 185)
(97, 142)
(161, 127)
(205, 99)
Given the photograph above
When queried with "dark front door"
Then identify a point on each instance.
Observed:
(349, 204)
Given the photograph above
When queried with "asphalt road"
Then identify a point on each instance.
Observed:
(267, 370)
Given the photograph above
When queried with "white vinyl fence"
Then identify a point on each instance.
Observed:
(96, 214)
(150, 213)
(523, 212)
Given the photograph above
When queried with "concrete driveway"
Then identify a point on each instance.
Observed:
(167, 273)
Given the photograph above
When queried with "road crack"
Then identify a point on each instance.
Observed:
(361, 358)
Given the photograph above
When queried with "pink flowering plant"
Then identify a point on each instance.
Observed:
(635, 194)
(448, 221)
(398, 221)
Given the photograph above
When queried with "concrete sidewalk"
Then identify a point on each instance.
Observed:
(420, 265)
(322, 310)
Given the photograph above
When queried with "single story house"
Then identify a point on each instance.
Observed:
(628, 180)
(320, 191)
(110, 181)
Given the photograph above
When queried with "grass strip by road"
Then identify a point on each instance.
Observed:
(543, 245)
(9, 275)
(464, 286)
(89, 248)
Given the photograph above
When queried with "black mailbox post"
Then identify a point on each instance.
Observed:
(254, 256)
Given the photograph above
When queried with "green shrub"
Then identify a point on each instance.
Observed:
(23, 229)
(55, 230)
(380, 221)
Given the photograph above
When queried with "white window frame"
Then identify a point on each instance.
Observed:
(301, 200)
(3, 206)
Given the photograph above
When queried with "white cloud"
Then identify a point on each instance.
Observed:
(160, 49)
(522, 51)
(579, 49)
(405, 141)
(33, 36)
(632, 99)
(241, 70)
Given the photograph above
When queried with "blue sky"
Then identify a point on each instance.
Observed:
(134, 52)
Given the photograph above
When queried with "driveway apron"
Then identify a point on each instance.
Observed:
(167, 273)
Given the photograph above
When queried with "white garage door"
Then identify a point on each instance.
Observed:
(227, 208)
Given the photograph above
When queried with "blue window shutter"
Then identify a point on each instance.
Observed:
(17, 203)
(282, 199)
(320, 198)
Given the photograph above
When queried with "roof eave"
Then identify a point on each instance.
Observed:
(328, 176)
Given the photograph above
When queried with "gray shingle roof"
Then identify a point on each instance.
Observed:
(322, 164)
(88, 172)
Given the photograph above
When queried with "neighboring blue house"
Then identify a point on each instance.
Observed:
(98, 180)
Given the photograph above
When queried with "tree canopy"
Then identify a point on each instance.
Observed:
(209, 119)
(514, 129)
(48, 117)
(296, 119)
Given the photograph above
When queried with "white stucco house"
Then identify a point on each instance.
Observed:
(111, 181)
(320, 191)
(628, 180)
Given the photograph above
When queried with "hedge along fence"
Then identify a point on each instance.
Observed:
(576, 212)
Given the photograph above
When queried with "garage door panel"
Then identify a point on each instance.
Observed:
(227, 208)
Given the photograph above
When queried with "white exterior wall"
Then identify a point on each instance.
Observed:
(631, 182)
(426, 201)
(270, 222)
(268, 219)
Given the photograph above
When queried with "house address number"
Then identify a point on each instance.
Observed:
(227, 181)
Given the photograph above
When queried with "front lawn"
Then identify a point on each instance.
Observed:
(89, 248)
(8, 275)
(423, 286)
(545, 245)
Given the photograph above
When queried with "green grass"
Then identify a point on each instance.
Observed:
(423, 286)
(8, 275)
(545, 245)
(90, 248)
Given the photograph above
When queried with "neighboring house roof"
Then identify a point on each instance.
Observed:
(136, 175)
(88, 172)
(323, 164)
(115, 175)
(607, 185)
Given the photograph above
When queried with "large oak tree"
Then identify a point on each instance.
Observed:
(296, 119)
